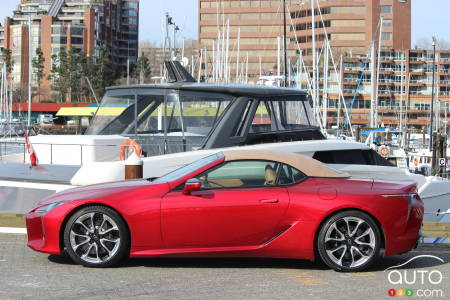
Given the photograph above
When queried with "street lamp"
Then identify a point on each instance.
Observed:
(432, 94)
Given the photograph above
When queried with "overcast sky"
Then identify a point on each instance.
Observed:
(430, 17)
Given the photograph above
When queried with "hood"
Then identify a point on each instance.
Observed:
(102, 191)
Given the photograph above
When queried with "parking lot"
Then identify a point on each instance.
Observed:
(27, 274)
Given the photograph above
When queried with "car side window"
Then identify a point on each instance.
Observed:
(243, 173)
(289, 175)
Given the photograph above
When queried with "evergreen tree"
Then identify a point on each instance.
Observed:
(7, 59)
(142, 69)
(38, 66)
(104, 75)
(60, 73)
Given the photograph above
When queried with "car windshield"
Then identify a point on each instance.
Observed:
(179, 173)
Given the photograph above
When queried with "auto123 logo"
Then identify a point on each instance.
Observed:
(422, 283)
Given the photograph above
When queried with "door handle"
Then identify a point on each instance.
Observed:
(269, 201)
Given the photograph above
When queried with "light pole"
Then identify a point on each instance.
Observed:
(432, 95)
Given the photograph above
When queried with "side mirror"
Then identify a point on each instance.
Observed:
(191, 185)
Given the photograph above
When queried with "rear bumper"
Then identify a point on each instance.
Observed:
(406, 238)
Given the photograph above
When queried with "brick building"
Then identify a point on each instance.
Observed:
(350, 26)
(62, 24)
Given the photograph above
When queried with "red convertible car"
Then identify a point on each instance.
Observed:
(233, 204)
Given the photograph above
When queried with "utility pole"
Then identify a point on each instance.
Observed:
(432, 96)
(286, 83)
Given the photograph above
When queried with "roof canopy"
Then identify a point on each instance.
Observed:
(305, 164)
(234, 89)
(386, 130)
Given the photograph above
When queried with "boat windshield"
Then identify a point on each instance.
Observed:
(163, 121)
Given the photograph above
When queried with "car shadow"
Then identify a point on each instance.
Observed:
(218, 263)
(425, 256)
(440, 251)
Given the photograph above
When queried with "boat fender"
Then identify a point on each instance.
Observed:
(416, 161)
(384, 151)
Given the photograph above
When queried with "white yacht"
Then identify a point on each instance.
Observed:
(181, 122)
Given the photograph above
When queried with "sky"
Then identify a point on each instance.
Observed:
(430, 17)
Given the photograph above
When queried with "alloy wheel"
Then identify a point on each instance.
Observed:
(350, 242)
(95, 237)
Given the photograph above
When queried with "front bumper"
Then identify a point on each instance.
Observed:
(43, 232)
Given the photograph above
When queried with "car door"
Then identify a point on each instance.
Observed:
(236, 206)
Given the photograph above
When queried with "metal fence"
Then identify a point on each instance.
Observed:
(51, 153)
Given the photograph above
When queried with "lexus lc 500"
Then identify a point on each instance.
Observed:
(233, 204)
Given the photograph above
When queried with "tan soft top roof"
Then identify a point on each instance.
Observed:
(305, 164)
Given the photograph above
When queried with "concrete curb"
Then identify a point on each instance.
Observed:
(13, 230)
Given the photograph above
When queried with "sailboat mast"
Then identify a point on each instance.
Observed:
(401, 97)
(325, 87)
(372, 89)
(278, 59)
(30, 73)
(286, 83)
(237, 53)
(378, 72)
(313, 28)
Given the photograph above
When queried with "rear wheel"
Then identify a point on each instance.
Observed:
(349, 241)
(96, 236)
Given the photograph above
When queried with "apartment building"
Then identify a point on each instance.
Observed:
(62, 24)
(416, 68)
(349, 25)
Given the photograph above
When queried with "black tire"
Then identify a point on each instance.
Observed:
(106, 237)
(357, 250)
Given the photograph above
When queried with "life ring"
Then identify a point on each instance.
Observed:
(416, 161)
(384, 151)
(130, 144)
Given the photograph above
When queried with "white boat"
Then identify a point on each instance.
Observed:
(179, 123)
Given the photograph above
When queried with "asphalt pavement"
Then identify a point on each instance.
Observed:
(25, 274)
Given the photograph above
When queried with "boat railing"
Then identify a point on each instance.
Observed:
(79, 154)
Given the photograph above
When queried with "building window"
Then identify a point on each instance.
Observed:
(129, 21)
(35, 30)
(387, 23)
(59, 40)
(130, 5)
(348, 10)
(59, 30)
(386, 36)
(130, 13)
(56, 50)
(77, 31)
(386, 9)
(77, 40)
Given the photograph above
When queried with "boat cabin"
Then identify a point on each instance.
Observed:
(186, 116)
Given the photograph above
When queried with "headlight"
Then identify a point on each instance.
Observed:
(46, 208)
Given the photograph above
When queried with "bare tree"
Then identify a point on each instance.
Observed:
(426, 44)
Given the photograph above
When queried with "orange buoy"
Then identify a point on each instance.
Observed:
(130, 144)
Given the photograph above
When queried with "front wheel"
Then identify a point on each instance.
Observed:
(96, 236)
(349, 241)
